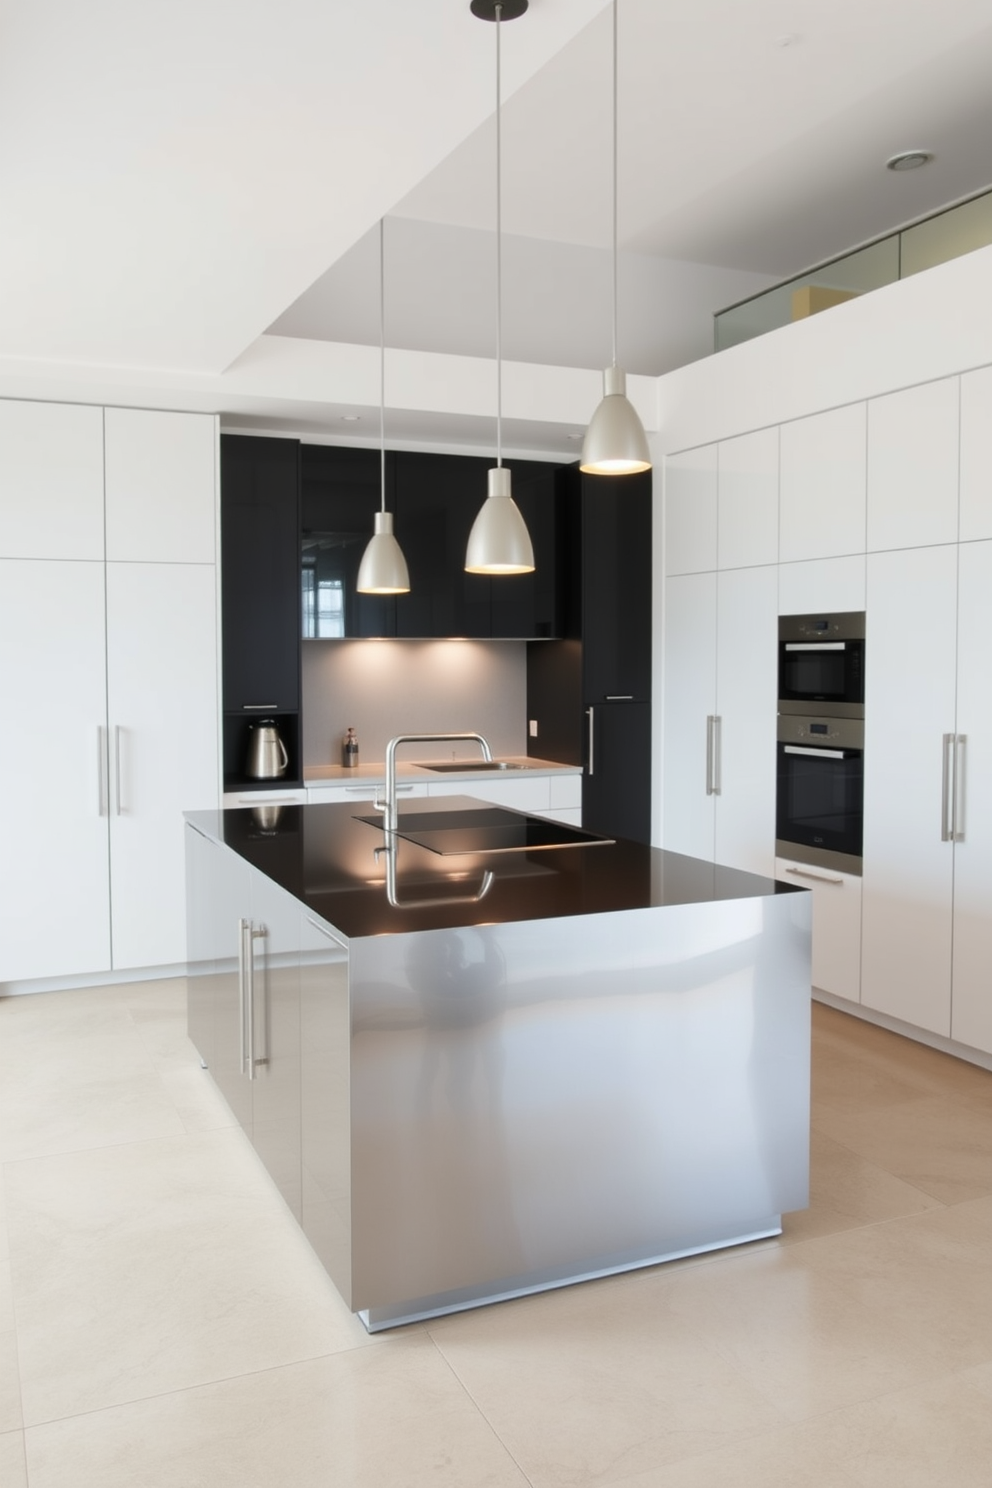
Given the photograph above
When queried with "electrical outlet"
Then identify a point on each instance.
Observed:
(533, 728)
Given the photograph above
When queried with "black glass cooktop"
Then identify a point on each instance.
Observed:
(486, 829)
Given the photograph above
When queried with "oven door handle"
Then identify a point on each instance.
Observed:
(819, 753)
(816, 645)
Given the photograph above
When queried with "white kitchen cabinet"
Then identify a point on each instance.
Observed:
(719, 717)
(690, 510)
(51, 480)
(747, 506)
(909, 707)
(161, 481)
(54, 885)
(110, 671)
(976, 455)
(913, 443)
(823, 487)
(831, 585)
(971, 986)
(367, 790)
(836, 925)
(162, 707)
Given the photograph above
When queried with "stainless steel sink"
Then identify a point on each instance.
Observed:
(458, 766)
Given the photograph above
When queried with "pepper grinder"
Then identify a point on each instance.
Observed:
(349, 749)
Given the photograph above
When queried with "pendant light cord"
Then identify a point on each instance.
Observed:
(499, 260)
(382, 366)
(614, 182)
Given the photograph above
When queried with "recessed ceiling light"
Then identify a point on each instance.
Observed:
(908, 160)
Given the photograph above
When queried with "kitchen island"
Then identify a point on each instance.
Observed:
(481, 1074)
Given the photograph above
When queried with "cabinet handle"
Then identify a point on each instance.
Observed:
(267, 801)
(121, 807)
(260, 707)
(817, 877)
(244, 952)
(590, 712)
(374, 788)
(619, 697)
(713, 747)
(958, 788)
(103, 766)
(946, 829)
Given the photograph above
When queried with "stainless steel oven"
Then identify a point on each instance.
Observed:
(820, 790)
(821, 664)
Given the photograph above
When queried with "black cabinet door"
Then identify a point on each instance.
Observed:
(340, 493)
(526, 606)
(260, 519)
(616, 787)
(616, 587)
(437, 497)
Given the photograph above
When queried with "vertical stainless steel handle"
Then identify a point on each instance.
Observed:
(244, 955)
(958, 788)
(717, 754)
(249, 935)
(103, 766)
(120, 806)
(712, 754)
(590, 712)
(946, 830)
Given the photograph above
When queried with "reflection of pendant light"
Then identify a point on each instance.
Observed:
(615, 442)
(499, 542)
(383, 568)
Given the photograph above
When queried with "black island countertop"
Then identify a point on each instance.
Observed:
(331, 859)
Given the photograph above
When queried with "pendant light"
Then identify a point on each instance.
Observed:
(615, 442)
(383, 568)
(499, 542)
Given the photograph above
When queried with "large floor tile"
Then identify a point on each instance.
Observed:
(592, 1383)
(846, 1191)
(389, 1417)
(938, 1145)
(13, 1469)
(150, 1267)
(793, 1457)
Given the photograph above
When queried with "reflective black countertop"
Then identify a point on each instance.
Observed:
(327, 857)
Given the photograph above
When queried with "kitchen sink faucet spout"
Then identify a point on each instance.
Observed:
(388, 807)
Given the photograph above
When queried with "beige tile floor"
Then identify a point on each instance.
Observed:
(163, 1323)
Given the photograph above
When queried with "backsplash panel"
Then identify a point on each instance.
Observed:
(386, 687)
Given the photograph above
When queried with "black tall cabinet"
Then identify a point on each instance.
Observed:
(590, 694)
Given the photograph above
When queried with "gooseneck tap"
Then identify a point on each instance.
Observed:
(390, 811)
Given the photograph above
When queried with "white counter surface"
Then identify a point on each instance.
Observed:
(415, 770)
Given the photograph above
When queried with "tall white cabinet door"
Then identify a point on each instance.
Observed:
(689, 702)
(51, 480)
(162, 711)
(747, 509)
(976, 455)
(747, 687)
(971, 994)
(909, 706)
(913, 440)
(823, 483)
(690, 510)
(161, 482)
(54, 902)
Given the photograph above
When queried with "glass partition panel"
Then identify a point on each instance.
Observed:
(953, 233)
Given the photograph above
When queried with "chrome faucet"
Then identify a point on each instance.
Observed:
(390, 812)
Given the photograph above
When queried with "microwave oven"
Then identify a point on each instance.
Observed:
(821, 664)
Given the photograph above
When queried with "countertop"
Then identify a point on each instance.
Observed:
(326, 857)
(407, 769)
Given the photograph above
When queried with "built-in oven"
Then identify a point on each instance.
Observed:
(820, 792)
(821, 664)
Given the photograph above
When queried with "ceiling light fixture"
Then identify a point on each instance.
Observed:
(499, 542)
(908, 160)
(383, 568)
(615, 442)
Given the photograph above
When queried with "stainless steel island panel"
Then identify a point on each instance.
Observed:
(538, 1102)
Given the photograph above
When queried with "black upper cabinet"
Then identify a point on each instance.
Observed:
(340, 493)
(434, 500)
(260, 518)
(616, 587)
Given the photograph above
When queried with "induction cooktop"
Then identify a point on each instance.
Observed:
(487, 829)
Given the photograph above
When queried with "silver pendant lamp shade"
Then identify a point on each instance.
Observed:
(615, 442)
(499, 542)
(383, 568)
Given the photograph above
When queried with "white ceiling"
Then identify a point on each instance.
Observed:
(178, 178)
